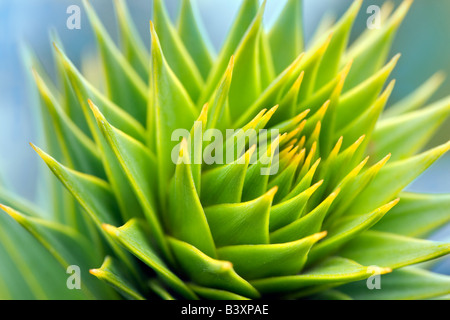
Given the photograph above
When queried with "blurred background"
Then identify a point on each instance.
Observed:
(423, 39)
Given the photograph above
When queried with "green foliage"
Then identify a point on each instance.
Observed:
(187, 230)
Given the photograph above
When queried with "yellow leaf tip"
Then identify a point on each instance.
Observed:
(97, 114)
(226, 266)
(34, 147)
(320, 235)
(56, 47)
(439, 76)
(335, 193)
(12, 213)
(204, 113)
(314, 187)
(95, 272)
(39, 151)
(298, 81)
(442, 149)
(4, 208)
(232, 61)
(184, 149)
(111, 230)
(385, 270)
(346, 70)
(319, 183)
(273, 109)
(396, 57)
(390, 205)
(384, 160)
(302, 115)
(251, 151)
(271, 193)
